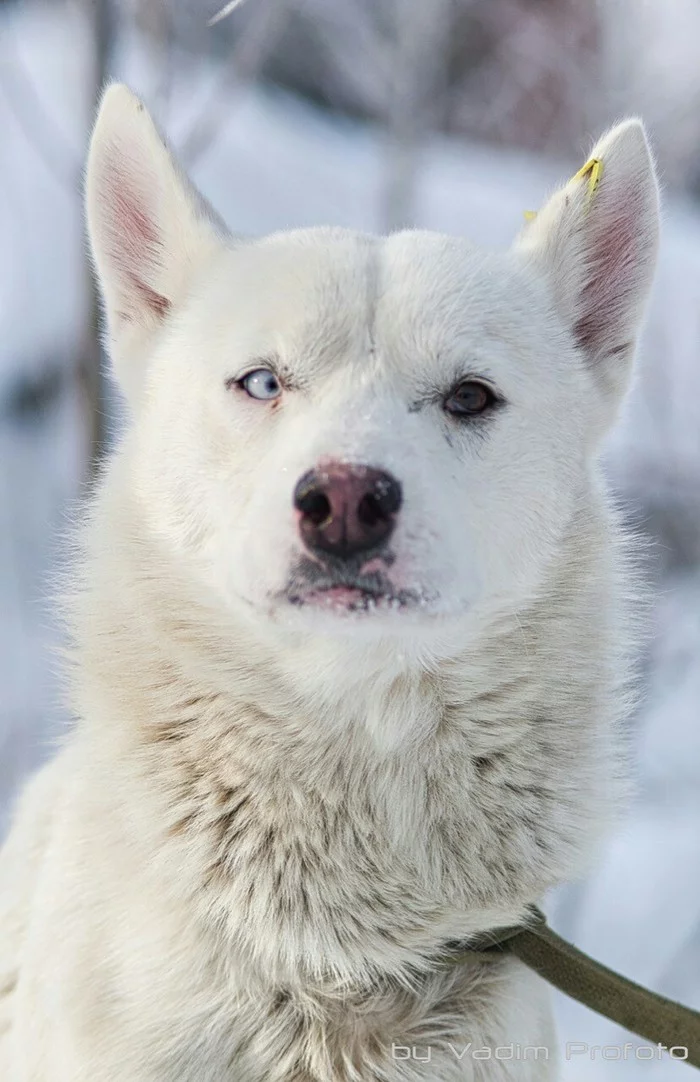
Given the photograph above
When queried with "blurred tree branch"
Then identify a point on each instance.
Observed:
(17, 86)
(417, 65)
(252, 46)
(160, 23)
(226, 10)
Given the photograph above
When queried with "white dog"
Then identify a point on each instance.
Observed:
(351, 641)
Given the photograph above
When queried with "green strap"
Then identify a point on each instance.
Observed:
(651, 1016)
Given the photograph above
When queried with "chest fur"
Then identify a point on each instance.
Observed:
(344, 863)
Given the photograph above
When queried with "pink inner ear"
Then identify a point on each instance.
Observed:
(614, 249)
(136, 248)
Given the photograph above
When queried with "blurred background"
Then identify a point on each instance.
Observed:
(456, 115)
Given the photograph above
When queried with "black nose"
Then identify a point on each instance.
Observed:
(346, 510)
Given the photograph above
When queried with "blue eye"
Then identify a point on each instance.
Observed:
(262, 384)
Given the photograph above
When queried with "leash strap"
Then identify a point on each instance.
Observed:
(649, 1015)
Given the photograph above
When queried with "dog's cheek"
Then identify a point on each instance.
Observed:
(256, 538)
(500, 531)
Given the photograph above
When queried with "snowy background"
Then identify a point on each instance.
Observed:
(455, 115)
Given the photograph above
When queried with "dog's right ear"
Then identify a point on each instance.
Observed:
(149, 229)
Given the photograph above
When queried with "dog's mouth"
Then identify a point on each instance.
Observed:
(341, 589)
(348, 598)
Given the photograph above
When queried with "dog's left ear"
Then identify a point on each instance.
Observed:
(597, 241)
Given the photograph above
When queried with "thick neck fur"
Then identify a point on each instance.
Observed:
(284, 807)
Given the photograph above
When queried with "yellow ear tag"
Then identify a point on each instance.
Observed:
(593, 169)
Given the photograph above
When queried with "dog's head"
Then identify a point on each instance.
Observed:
(342, 430)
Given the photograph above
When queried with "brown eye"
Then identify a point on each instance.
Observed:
(469, 399)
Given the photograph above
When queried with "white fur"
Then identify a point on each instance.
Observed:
(269, 818)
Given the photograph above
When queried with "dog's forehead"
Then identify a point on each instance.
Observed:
(322, 294)
(443, 286)
(305, 271)
(277, 294)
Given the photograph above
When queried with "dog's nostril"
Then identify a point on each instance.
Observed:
(369, 511)
(388, 495)
(315, 506)
(380, 504)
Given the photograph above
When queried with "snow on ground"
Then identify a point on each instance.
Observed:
(276, 164)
